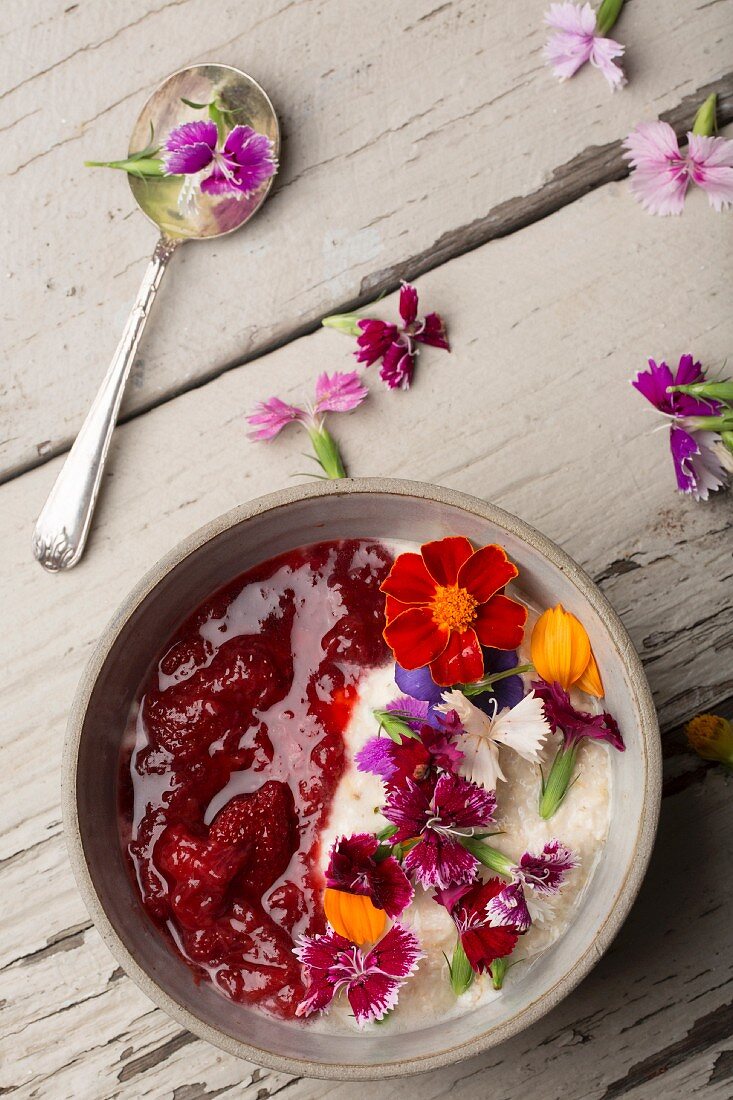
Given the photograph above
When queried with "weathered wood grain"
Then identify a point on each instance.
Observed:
(411, 132)
(532, 410)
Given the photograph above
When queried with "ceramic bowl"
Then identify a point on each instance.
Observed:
(211, 557)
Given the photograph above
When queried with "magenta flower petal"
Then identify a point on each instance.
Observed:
(508, 909)
(372, 982)
(697, 466)
(408, 304)
(246, 161)
(339, 392)
(398, 365)
(576, 724)
(377, 757)
(439, 817)
(711, 167)
(654, 383)
(376, 337)
(352, 868)
(189, 148)
(482, 939)
(544, 873)
(432, 331)
(271, 416)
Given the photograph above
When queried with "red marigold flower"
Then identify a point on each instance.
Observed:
(481, 937)
(446, 602)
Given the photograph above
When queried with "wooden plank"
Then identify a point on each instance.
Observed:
(412, 133)
(533, 411)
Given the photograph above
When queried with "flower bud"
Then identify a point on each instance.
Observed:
(704, 123)
(343, 322)
(711, 737)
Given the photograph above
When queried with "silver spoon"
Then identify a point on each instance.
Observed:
(62, 528)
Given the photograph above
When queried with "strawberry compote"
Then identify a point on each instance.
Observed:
(238, 746)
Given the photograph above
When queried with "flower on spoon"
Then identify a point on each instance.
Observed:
(361, 890)
(522, 728)
(661, 172)
(372, 980)
(579, 36)
(433, 822)
(334, 393)
(700, 454)
(236, 165)
(396, 346)
(445, 603)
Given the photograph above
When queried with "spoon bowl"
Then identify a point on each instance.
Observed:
(247, 104)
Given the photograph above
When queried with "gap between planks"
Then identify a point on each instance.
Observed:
(593, 168)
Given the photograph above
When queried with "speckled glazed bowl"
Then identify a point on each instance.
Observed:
(177, 584)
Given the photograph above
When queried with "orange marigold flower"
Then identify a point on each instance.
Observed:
(445, 603)
(711, 737)
(561, 652)
(354, 916)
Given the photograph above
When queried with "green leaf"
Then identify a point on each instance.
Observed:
(608, 13)
(395, 728)
(136, 165)
(459, 968)
(192, 103)
(387, 832)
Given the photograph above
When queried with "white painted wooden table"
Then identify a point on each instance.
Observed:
(416, 136)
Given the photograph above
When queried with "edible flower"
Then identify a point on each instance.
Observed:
(434, 820)
(579, 36)
(372, 980)
(522, 728)
(575, 726)
(334, 393)
(361, 890)
(562, 654)
(417, 758)
(711, 737)
(396, 346)
(544, 873)
(701, 454)
(237, 166)
(444, 603)
(482, 938)
(661, 173)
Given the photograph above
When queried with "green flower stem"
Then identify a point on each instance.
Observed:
(490, 857)
(720, 391)
(727, 438)
(704, 123)
(497, 970)
(723, 423)
(461, 974)
(487, 683)
(140, 166)
(327, 452)
(607, 15)
(556, 785)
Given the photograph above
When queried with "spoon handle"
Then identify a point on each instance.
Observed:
(63, 525)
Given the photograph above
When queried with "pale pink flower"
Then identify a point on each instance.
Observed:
(334, 393)
(576, 40)
(339, 392)
(662, 173)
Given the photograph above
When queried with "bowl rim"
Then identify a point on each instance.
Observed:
(648, 731)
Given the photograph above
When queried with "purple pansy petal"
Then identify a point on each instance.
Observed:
(408, 304)
(339, 392)
(576, 724)
(544, 873)
(509, 909)
(376, 337)
(398, 366)
(271, 416)
(189, 148)
(506, 693)
(419, 684)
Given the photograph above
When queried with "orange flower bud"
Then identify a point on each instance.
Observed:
(353, 916)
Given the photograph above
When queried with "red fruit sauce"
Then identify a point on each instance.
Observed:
(238, 749)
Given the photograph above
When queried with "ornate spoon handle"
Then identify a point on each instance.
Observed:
(63, 525)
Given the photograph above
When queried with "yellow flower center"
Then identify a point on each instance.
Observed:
(453, 608)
